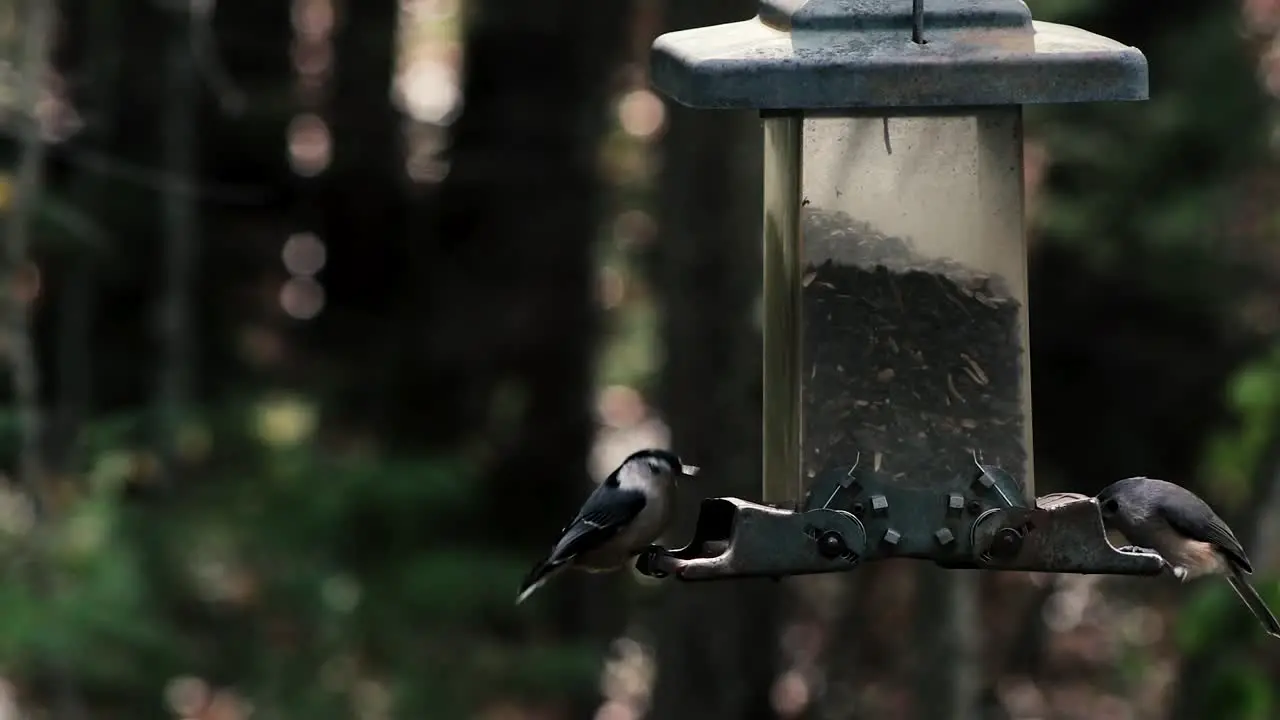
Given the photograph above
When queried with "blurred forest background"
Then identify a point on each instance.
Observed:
(320, 315)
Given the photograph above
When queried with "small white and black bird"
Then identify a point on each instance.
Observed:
(623, 516)
(1176, 524)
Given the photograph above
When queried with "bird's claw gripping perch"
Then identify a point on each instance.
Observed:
(650, 561)
(977, 521)
(1136, 549)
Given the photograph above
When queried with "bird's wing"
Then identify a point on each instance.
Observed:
(1214, 532)
(605, 513)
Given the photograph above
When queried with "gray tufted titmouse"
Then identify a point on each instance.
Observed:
(621, 518)
(1180, 527)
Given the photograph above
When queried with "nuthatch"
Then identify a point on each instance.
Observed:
(621, 518)
(1180, 527)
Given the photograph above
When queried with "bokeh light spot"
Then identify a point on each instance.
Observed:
(641, 114)
(303, 254)
(310, 146)
(302, 298)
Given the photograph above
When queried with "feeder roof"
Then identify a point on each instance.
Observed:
(848, 54)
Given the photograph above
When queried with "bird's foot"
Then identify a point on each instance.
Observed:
(1178, 572)
(647, 561)
(1144, 550)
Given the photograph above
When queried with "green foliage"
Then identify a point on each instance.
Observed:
(1213, 612)
(83, 606)
(1213, 624)
(1144, 188)
(314, 582)
(1235, 456)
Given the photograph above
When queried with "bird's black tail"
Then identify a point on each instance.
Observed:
(1254, 601)
(537, 577)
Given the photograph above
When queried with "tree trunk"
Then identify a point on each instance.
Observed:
(90, 29)
(122, 182)
(513, 323)
(180, 238)
(17, 300)
(717, 643)
(361, 204)
(515, 313)
(948, 676)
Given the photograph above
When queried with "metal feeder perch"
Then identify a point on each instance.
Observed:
(896, 367)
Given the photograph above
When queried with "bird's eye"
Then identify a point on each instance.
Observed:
(1110, 506)
(655, 467)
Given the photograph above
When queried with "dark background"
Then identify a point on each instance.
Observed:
(319, 317)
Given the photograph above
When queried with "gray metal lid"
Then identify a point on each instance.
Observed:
(845, 54)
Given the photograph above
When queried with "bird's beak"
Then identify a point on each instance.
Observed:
(689, 470)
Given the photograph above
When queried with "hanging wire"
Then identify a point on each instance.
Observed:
(917, 22)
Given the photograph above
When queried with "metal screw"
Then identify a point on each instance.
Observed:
(944, 536)
(879, 504)
(847, 483)
(892, 536)
(974, 507)
(832, 545)
(859, 509)
(1006, 544)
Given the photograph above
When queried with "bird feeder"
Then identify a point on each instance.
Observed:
(897, 389)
